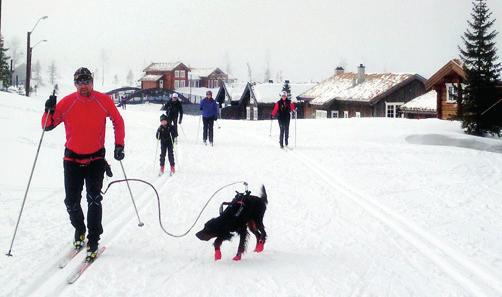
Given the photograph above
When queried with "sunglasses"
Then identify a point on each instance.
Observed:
(80, 82)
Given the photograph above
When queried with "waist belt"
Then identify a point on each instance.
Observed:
(83, 159)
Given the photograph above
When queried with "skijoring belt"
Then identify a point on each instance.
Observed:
(83, 159)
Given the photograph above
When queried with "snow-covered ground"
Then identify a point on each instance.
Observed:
(361, 207)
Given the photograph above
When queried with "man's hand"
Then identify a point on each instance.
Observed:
(50, 104)
(118, 154)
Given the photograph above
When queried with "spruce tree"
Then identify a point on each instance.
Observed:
(287, 88)
(482, 72)
(5, 74)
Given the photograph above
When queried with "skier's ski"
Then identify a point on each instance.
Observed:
(83, 267)
(69, 256)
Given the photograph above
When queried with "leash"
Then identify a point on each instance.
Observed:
(158, 201)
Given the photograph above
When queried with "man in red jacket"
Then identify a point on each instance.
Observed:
(84, 114)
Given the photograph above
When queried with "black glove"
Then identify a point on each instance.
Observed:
(50, 104)
(179, 122)
(118, 154)
(271, 117)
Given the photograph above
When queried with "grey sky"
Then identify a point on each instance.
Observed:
(305, 40)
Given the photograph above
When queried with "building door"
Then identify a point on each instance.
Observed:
(161, 83)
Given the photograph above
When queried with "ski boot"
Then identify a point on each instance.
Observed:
(172, 170)
(79, 241)
(92, 253)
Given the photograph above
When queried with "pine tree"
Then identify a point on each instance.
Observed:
(482, 71)
(53, 74)
(287, 89)
(130, 78)
(5, 74)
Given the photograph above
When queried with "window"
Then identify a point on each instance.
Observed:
(358, 114)
(176, 73)
(182, 73)
(451, 93)
(345, 113)
(393, 110)
(255, 114)
(334, 114)
(248, 113)
(179, 84)
(161, 84)
(321, 114)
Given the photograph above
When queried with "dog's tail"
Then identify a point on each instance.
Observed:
(264, 193)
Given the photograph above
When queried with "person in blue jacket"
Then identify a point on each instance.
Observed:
(209, 109)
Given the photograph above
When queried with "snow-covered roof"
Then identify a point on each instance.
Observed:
(186, 91)
(197, 73)
(424, 103)
(150, 77)
(270, 92)
(344, 87)
(235, 90)
(162, 66)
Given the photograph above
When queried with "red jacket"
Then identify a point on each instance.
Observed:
(85, 121)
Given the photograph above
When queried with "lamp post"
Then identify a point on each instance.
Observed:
(28, 56)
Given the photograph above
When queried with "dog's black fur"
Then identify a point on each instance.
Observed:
(245, 211)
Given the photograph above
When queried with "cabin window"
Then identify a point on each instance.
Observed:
(248, 113)
(393, 109)
(345, 113)
(255, 114)
(451, 93)
(179, 84)
(321, 114)
(182, 73)
(334, 114)
(358, 114)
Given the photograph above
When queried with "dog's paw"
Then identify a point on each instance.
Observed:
(237, 257)
(217, 255)
(259, 247)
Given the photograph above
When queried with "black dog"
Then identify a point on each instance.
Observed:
(245, 211)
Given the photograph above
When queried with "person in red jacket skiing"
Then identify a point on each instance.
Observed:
(84, 114)
(282, 109)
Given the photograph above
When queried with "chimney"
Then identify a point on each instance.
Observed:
(360, 73)
(339, 70)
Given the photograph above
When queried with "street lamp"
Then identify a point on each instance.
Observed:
(28, 56)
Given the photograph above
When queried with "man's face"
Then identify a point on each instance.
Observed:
(84, 86)
(209, 95)
(284, 97)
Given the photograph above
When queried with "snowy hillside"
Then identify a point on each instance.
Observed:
(361, 207)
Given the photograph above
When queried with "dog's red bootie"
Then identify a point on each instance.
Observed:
(237, 257)
(217, 255)
(260, 245)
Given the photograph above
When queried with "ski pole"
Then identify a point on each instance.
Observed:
(140, 223)
(198, 128)
(296, 117)
(29, 181)
(175, 151)
(156, 152)
(270, 130)
(182, 131)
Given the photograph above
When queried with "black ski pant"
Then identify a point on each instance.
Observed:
(207, 128)
(284, 134)
(166, 145)
(75, 175)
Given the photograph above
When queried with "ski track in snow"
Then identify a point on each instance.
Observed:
(344, 244)
(453, 262)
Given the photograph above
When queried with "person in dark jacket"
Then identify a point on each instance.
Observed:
(164, 134)
(84, 114)
(209, 109)
(174, 108)
(282, 109)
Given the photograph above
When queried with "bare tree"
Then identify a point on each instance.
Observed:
(16, 52)
(104, 61)
(278, 76)
(250, 72)
(53, 75)
(115, 79)
(37, 74)
(228, 67)
(267, 74)
(130, 78)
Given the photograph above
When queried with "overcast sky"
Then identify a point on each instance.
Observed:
(305, 40)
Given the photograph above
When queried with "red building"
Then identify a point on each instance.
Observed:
(168, 76)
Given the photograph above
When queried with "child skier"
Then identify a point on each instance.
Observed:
(164, 134)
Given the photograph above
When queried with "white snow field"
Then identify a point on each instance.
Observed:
(360, 207)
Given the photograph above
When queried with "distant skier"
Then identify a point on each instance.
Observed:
(164, 134)
(174, 108)
(209, 109)
(283, 107)
(84, 114)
